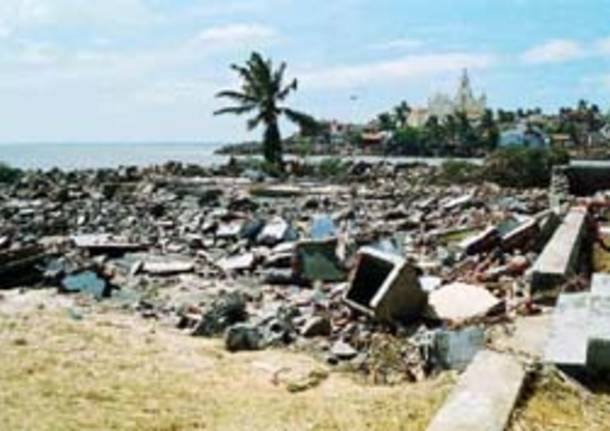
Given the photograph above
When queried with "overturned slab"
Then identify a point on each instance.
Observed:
(598, 342)
(559, 259)
(567, 345)
(385, 286)
(478, 405)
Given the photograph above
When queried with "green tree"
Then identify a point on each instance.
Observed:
(261, 93)
(433, 136)
(466, 136)
(407, 141)
(401, 114)
(489, 133)
(386, 122)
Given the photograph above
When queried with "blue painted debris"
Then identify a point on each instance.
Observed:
(323, 227)
(86, 282)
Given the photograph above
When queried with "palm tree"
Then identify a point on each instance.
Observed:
(262, 90)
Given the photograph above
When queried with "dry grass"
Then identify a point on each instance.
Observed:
(113, 372)
(551, 403)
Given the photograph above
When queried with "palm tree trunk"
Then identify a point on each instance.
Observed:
(272, 144)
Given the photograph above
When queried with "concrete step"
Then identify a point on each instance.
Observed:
(560, 257)
(567, 345)
(484, 397)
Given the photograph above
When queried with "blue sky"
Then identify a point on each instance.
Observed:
(140, 70)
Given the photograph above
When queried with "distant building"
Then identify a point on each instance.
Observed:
(525, 136)
(442, 105)
(374, 142)
(562, 140)
(418, 117)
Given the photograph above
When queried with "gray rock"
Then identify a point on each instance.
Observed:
(243, 337)
(343, 351)
(317, 326)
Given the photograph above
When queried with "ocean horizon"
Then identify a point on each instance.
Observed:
(91, 155)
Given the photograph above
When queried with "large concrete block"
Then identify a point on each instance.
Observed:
(484, 397)
(598, 343)
(567, 345)
(385, 286)
(559, 259)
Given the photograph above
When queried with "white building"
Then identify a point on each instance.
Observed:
(442, 105)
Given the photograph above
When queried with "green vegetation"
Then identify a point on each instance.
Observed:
(261, 92)
(9, 174)
(523, 167)
(459, 172)
(332, 167)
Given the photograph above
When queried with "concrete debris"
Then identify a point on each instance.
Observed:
(322, 227)
(458, 302)
(318, 261)
(559, 260)
(165, 268)
(456, 349)
(343, 351)
(86, 282)
(386, 287)
(20, 266)
(386, 271)
(317, 326)
(484, 397)
(241, 262)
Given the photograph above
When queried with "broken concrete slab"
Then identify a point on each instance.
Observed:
(567, 344)
(559, 258)
(106, 244)
(165, 268)
(318, 261)
(477, 405)
(275, 231)
(598, 340)
(385, 286)
(457, 302)
(480, 242)
(455, 350)
(520, 235)
(458, 202)
(242, 262)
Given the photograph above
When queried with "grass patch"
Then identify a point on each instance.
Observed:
(114, 372)
(551, 403)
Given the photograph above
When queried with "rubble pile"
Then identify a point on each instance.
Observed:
(380, 272)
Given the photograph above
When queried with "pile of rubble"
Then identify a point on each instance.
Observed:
(383, 272)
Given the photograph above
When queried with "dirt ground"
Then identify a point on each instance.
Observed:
(65, 370)
(66, 366)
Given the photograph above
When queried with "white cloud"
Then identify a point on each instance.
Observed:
(21, 15)
(403, 43)
(410, 67)
(235, 34)
(554, 51)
